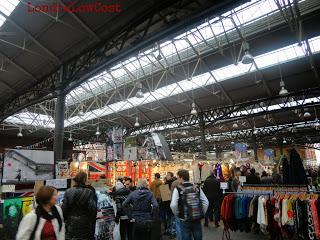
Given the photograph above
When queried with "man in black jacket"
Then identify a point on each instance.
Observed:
(211, 189)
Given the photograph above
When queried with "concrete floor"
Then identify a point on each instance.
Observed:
(213, 233)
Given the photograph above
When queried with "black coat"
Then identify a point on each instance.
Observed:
(211, 188)
(252, 179)
(79, 211)
(120, 196)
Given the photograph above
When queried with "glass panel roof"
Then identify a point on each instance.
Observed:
(269, 59)
(208, 32)
(7, 7)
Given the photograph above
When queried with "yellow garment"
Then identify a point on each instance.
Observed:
(154, 188)
(225, 171)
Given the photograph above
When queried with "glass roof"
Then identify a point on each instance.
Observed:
(208, 33)
(7, 7)
(266, 60)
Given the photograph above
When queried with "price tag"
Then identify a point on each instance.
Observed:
(57, 183)
(242, 179)
(224, 185)
(8, 188)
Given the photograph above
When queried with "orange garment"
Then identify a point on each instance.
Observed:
(154, 188)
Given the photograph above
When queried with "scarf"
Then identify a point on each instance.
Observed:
(44, 214)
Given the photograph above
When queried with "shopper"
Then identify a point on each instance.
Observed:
(265, 178)
(129, 184)
(155, 187)
(141, 208)
(211, 188)
(189, 203)
(80, 210)
(252, 177)
(46, 221)
(120, 195)
(177, 183)
(236, 180)
(169, 218)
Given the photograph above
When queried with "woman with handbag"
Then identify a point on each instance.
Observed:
(141, 208)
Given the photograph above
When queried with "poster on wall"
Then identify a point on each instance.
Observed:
(268, 155)
(130, 153)
(118, 151)
(62, 170)
(162, 148)
(28, 165)
(142, 153)
(240, 151)
(109, 146)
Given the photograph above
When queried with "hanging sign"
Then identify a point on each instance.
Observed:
(8, 188)
(224, 186)
(57, 183)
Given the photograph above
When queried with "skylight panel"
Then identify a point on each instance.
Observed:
(7, 7)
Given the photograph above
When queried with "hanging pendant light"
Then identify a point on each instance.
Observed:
(193, 109)
(19, 134)
(284, 141)
(70, 137)
(139, 93)
(98, 132)
(247, 57)
(81, 112)
(137, 124)
(306, 114)
(283, 90)
(274, 139)
(235, 125)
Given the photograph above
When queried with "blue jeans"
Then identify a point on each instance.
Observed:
(178, 229)
(191, 230)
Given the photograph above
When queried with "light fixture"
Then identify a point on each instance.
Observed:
(137, 124)
(235, 125)
(171, 142)
(284, 141)
(214, 147)
(81, 112)
(283, 90)
(274, 139)
(98, 132)
(247, 57)
(19, 134)
(139, 93)
(306, 113)
(193, 110)
(255, 131)
(70, 137)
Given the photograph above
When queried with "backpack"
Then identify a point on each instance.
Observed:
(191, 209)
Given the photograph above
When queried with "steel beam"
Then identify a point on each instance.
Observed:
(259, 107)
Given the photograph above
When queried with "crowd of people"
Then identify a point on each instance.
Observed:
(141, 211)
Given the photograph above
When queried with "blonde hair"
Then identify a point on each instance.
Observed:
(142, 183)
